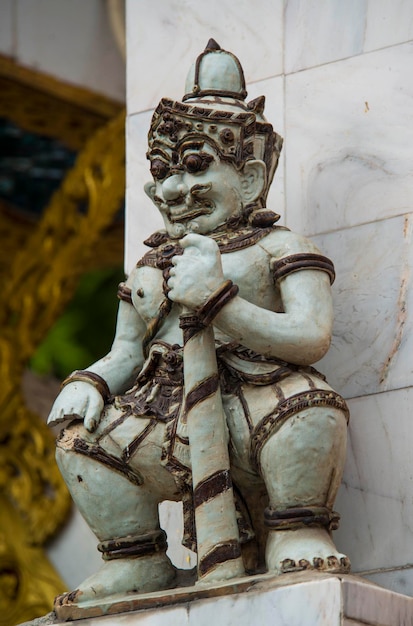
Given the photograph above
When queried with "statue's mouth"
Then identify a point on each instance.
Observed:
(185, 213)
(189, 206)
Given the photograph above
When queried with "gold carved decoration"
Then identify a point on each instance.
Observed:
(42, 104)
(38, 280)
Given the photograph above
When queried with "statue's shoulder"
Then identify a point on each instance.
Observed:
(162, 249)
(290, 253)
(282, 242)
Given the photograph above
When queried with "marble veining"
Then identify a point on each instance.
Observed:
(256, 40)
(321, 32)
(372, 336)
(389, 22)
(352, 163)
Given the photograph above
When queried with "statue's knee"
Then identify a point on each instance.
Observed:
(314, 437)
(71, 437)
(302, 463)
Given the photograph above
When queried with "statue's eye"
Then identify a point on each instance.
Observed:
(193, 163)
(159, 169)
(197, 162)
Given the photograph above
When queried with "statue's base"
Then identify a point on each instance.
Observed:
(299, 599)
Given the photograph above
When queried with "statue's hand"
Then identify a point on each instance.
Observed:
(197, 273)
(77, 400)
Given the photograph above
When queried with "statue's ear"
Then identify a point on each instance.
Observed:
(253, 179)
(150, 189)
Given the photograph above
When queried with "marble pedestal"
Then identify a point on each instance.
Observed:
(301, 599)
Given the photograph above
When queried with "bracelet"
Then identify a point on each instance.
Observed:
(216, 301)
(89, 377)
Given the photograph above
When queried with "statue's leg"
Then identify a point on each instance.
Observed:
(117, 490)
(302, 464)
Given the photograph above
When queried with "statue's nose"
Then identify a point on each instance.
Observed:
(173, 187)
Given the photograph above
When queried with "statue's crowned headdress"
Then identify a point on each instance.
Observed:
(214, 110)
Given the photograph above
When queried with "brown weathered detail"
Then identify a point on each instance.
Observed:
(271, 422)
(217, 301)
(97, 453)
(191, 325)
(124, 293)
(133, 546)
(298, 517)
(242, 238)
(134, 445)
(302, 261)
(214, 485)
(155, 324)
(89, 377)
(219, 554)
(205, 389)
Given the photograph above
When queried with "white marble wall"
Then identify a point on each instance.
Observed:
(339, 85)
(72, 41)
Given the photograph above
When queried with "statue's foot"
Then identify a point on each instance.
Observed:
(122, 576)
(304, 549)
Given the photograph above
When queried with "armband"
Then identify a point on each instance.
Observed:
(302, 261)
(89, 377)
(216, 301)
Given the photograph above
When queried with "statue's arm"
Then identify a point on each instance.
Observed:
(301, 334)
(118, 370)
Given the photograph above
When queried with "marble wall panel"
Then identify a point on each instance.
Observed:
(172, 521)
(321, 32)
(398, 580)
(373, 299)
(142, 217)
(349, 131)
(389, 22)
(165, 38)
(7, 27)
(376, 496)
(72, 41)
(316, 602)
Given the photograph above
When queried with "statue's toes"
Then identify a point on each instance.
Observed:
(331, 563)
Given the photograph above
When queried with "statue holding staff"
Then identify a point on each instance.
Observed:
(208, 394)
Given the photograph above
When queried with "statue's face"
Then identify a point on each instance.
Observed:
(194, 189)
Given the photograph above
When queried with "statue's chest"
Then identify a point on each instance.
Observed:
(147, 292)
(249, 268)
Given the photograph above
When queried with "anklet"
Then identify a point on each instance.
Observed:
(133, 545)
(301, 517)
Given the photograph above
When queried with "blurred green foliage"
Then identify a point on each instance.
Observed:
(85, 331)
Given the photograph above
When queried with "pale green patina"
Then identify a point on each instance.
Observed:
(238, 309)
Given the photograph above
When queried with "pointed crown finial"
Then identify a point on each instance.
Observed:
(212, 45)
(216, 72)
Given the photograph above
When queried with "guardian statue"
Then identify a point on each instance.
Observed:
(209, 394)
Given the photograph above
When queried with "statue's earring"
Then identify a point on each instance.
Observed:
(150, 189)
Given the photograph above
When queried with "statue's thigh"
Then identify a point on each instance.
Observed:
(281, 424)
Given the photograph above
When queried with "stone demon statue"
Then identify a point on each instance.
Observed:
(208, 394)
